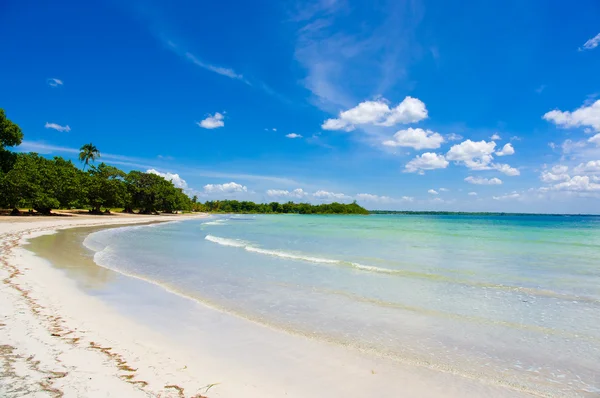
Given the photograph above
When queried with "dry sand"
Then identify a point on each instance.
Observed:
(56, 341)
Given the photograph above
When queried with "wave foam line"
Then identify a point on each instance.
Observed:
(399, 272)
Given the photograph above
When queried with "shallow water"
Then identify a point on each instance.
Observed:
(514, 300)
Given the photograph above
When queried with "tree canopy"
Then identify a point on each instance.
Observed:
(10, 135)
(88, 152)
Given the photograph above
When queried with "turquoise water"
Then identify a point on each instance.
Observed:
(513, 300)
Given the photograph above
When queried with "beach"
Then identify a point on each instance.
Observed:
(78, 329)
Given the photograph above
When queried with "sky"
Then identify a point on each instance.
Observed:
(401, 105)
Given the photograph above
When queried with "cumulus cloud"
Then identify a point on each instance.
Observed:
(53, 82)
(476, 155)
(174, 178)
(433, 192)
(227, 188)
(495, 137)
(585, 116)
(296, 193)
(454, 137)
(444, 190)
(506, 169)
(513, 195)
(212, 121)
(556, 174)
(483, 181)
(506, 150)
(415, 138)
(379, 113)
(591, 43)
(336, 124)
(293, 135)
(578, 184)
(591, 167)
(595, 139)
(472, 194)
(57, 127)
(325, 195)
(426, 161)
(367, 197)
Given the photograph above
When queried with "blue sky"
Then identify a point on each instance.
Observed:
(427, 105)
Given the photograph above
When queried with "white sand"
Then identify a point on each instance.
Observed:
(56, 340)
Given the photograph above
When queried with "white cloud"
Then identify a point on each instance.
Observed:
(378, 112)
(330, 195)
(53, 82)
(367, 197)
(591, 167)
(293, 135)
(57, 127)
(591, 43)
(483, 181)
(426, 161)
(274, 129)
(495, 137)
(415, 138)
(595, 139)
(577, 184)
(506, 150)
(514, 195)
(296, 193)
(506, 169)
(557, 173)
(472, 194)
(216, 69)
(410, 110)
(230, 187)
(586, 115)
(475, 155)
(444, 190)
(174, 178)
(432, 191)
(454, 137)
(337, 124)
(212, 121)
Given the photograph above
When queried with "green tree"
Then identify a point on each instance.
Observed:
(32, 183)
(105, 187)
(88, 152)
(10, 135)
(70, 187)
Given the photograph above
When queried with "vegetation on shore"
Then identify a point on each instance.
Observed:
(28, 180)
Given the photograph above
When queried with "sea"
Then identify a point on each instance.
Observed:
(509, 299)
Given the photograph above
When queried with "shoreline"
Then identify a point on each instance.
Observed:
(74, 335)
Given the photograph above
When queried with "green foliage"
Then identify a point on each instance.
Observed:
(10, 135)
(234, 206)
(105, 186)
(31, 183)
(151, 193)
(88, 152)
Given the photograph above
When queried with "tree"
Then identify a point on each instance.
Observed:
(88, 152)
(70, 187)
(32, 183)
(10, 135)
(105, 187)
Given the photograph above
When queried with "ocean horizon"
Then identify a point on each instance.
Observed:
(512, 300)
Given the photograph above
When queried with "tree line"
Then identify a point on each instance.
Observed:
(234, 206)
(28, 180)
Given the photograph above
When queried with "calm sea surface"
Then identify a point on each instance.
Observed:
(514, 300)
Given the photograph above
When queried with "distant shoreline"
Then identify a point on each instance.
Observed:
(467, 213)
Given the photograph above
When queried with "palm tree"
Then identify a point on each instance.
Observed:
(88, 152)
